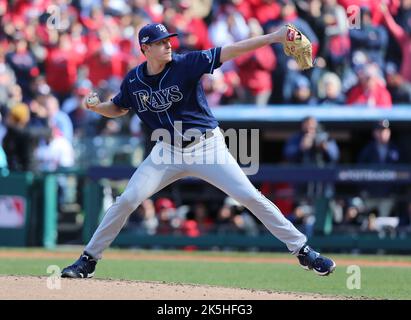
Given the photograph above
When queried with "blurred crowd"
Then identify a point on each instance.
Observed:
(162, 216)
(54, 52)
(366, 208)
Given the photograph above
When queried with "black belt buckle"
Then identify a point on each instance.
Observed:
(206, 135)
(189, 143)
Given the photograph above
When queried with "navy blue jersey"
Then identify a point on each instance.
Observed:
(175, 94)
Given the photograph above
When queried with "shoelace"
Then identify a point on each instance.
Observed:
(310, 257)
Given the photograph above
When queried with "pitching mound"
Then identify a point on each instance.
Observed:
(32, 288)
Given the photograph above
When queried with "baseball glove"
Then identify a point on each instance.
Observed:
(298, 46)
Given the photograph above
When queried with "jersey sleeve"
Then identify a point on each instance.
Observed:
(205, 61)
(122, 99)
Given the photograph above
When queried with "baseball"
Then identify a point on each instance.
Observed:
(93, 100)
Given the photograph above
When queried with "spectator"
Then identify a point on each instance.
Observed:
(350, 76)
(263, 10)
(337, 43)
(38, 113)
(255, 69)
(223, 220)
(7, 80)
(61, 67)
(403, 37)
(81, 89)
(311, 12)
(381, 151)
(215, 87)
(289, 14)
(147, 221)
(228, 26)
(311, 145)
(20, 141)
(329, 90)
(15, 95)
(84, 121)
(373, 7)
(190, 228)
(93, 18)
(56, 153)
(166, 212)
(202, 218)
(280, 193)
(403, 14)
(39, 86)
(301, 93)
(105, 61)
(58, 118)
(399, 88)
(23, 63)
(371, 90)
(287, 66)
(303, 218)
(372, 39)
(194, 30)
(233, 218)
(356, 218)
(200, 8)
(353, 214)
(115, 8)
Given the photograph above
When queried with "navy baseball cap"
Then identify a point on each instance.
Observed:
(153, 32)
(383, 124)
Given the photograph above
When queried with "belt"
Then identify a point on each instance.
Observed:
(190, 143)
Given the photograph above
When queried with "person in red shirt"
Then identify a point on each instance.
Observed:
(353, 9)
(263, 10)
(371, 90)
(61, 67)
(403, 38)
(255, 69)
(195, 35)
(106, 60)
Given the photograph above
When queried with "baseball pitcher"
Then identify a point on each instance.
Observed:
(165, 91)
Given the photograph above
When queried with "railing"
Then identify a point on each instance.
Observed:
(290, 113)
(322, 238)
(41, 219)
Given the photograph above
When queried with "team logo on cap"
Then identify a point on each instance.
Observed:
(145, 39)
(161, 27)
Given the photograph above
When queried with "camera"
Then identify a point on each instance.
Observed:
(320, 138)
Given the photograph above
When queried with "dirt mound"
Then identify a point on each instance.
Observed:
(36, 288)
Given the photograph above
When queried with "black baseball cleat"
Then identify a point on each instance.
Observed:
(312, 260)
(83, 268)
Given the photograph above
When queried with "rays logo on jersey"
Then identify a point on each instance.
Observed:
(159, 100)
(208, 55)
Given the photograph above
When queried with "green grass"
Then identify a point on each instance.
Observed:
(376, 282)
